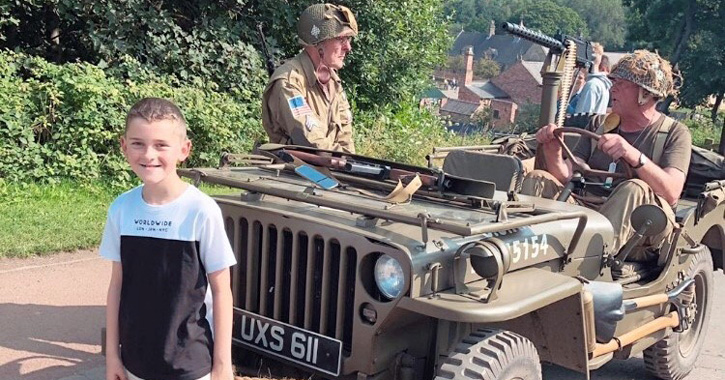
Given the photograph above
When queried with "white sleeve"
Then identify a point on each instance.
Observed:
(214, 247)
(111, 241)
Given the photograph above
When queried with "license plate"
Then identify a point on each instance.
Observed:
(288, 342)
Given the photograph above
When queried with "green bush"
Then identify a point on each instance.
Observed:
(64, 121)
(404, 134)
(704, 129)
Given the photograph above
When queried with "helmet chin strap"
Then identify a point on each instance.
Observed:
(322, 71)
(642, 97)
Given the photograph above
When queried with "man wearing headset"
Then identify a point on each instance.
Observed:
(304, 102)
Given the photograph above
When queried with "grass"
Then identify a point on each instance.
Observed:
(43, 219)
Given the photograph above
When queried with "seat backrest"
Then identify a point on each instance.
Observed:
(504, 171)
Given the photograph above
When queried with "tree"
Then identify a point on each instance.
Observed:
(482, 119)
(550, 18)
(215, 41)
(544, 15)
(691, 34)
(455, 63)
(486, 68)
(527, 118)
(605, 19)
(393, 56)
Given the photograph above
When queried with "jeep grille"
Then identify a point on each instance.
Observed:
(296, 277)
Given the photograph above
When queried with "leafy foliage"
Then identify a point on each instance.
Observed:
(196, 41)
(405, 134)
(527, 119)
(399, 44)
(456, 63)
(211, 40)
(61, 119)
(544, 15)
(691, 34)
(64, 121)
(483, 119)
(605, 20)
(486, 68)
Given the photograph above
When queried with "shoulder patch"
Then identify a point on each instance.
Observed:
(298, 106)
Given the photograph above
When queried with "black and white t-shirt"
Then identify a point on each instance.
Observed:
(166, 251)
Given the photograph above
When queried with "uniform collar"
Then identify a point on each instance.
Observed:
(309, 69)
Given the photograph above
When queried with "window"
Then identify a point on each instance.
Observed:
(496, 115)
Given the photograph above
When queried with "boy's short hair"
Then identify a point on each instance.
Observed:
(155, 109)
(604, 65)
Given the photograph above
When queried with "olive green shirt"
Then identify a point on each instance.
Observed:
(296, 110)
(675, 154)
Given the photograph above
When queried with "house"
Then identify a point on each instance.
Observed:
(519, 84)
(506, 49)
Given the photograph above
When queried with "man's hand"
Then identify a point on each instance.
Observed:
(114, 369)
(615, 146)
(545, 134)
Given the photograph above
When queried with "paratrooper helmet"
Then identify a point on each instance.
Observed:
(320, 22)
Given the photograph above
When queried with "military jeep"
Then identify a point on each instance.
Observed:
(357, 268)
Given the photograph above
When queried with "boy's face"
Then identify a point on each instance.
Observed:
(154, 148)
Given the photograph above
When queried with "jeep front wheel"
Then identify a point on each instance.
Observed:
(492, 355)
(673, 357)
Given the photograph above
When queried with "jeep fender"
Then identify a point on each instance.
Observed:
(543, 306)
(521, 292)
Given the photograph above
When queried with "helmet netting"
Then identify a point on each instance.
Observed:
(648, 70)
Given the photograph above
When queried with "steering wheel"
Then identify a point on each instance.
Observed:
(580, 164)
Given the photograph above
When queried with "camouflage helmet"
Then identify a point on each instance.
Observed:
(647, 70)
(320, 22)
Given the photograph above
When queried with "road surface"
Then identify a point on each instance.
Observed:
(52, 311)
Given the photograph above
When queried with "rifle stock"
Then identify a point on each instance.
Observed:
(356, 167)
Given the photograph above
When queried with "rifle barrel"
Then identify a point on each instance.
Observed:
(534, 36)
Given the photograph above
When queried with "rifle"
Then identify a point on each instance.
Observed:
(556, 44)
(269, 59)
(380, 172)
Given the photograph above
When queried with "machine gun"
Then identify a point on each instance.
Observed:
(556, 44)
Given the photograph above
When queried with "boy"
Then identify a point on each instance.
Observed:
(169, 307)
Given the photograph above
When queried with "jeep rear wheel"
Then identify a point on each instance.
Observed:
(673, 357)
(492, 355)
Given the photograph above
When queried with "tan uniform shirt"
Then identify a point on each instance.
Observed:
(296, 110)
(676, 153)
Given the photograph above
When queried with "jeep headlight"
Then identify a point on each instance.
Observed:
(389, 276)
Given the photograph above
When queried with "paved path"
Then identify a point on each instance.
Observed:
(52, 310)
(51, 313)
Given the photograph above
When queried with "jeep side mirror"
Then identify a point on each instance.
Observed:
(647, 220)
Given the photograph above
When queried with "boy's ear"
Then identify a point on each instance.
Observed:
(123, 145)
(185, 150)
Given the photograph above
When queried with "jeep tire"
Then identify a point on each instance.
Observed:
(492, 355)
(673, 357)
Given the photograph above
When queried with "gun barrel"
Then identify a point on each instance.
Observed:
(534, 36)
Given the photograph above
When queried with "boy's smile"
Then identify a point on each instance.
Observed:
(153, 149)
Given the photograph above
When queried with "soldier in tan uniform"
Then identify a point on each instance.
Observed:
(304, 102)
(656, 147)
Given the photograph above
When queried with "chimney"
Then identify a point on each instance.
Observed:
(492, 29)
(468, 61)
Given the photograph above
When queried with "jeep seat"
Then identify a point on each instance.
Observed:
(504, 171)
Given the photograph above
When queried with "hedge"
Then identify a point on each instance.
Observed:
(64, 121)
